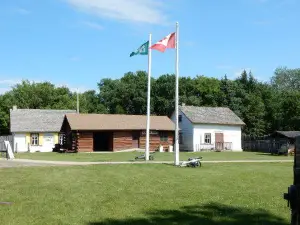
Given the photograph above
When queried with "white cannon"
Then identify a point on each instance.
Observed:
(192, 162)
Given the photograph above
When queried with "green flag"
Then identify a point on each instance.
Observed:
(142, 50)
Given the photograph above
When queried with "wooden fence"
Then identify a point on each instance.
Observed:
(263, 145)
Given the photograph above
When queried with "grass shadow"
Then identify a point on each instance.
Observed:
(208, 214)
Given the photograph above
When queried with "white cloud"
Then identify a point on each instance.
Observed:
(22, 11)
(93, 25)
(145, 11)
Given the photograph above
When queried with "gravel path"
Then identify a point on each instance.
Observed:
(28, 162)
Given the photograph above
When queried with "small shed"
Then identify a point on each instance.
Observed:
(206, 128)
(290, 136)
(36, 130)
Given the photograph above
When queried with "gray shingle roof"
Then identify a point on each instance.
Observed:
(211, 115)
(289, 134)
(37, 120)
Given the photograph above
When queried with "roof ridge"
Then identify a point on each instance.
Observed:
(224, 107)
(110, 114)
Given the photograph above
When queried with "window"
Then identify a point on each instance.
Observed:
(34, 139)
(163, 136)
(61, 139)
(180, 138)
(180, 118)
(207, 138)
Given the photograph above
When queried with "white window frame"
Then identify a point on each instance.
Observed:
(34, 139)
(61, 139)
(207, 138)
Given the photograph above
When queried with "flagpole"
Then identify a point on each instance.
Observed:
(148, 102)
(176, 96)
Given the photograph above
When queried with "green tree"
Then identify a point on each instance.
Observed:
(90, 102)
(126, 95)
(34, 95)
(109, 95)
(254, 114)
(208, 89)
(291, 110)
(163, 93)
(286, 79)
(187, 92)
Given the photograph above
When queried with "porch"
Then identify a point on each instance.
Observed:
(218, 146)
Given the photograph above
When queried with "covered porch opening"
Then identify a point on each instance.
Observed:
(103, 141)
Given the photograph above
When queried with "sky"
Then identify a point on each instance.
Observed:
(79, 42)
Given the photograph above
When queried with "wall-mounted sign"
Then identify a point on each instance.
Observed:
(152, 132)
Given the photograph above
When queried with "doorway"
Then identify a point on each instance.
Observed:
(135, 139)
(219, 141)
(102, 141)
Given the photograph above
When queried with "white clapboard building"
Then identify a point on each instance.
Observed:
(208, 128)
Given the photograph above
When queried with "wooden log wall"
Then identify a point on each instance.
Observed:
(122, 140)
(155, 141)
(85, 142)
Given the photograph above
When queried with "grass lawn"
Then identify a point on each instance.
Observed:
(129, 156)
(215, 194)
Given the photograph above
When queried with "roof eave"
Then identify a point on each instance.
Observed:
(33, 131)
(111, 129)
(228, 124)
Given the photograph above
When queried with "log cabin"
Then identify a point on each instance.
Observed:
(115, 132)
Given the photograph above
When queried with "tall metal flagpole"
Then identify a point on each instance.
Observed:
(176, 96)
(148, 101)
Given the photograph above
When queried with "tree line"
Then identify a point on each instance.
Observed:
(263, 106)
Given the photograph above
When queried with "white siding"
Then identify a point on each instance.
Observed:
(186, 128)
(231, 134)
(20, 145)
(48, 142)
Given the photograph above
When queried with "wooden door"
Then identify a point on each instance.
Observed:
(135, 139)
(20, 143)
(219, 141)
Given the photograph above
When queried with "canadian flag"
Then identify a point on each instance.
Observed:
(166, 42)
